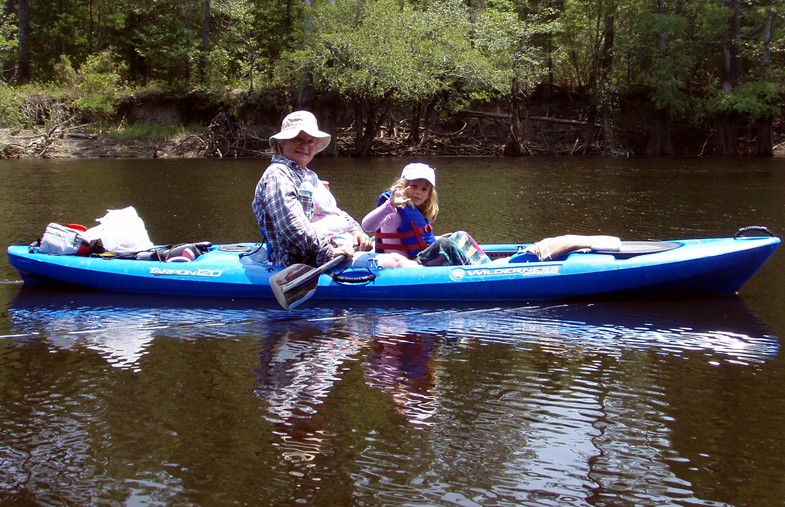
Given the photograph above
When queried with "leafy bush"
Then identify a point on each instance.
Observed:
(148, 131)
(95, 89)
(10, 107)
(754, 100)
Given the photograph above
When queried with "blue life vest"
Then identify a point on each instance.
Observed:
(415, 231)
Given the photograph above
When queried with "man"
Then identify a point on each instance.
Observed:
(288, 193)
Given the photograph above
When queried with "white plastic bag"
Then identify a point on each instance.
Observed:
(121, 231)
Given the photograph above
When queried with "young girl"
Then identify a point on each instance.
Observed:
(402, 223)
(403, 216)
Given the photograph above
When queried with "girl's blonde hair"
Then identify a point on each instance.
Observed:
(429, 208)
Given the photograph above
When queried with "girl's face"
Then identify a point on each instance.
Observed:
(418, 191)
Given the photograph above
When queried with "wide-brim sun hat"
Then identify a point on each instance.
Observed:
(301, 121)
(419, 171)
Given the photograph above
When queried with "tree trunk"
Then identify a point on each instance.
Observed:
(414, 135)
(23, 64)
(367, 122)
(764, 146)
(725, 136)
(589, 132)
(358, 125)
(366, 142)
(606, 66)
(307, 95)
(767, 40)
(514, 146)
(327, 120)
(660, 140)
(725, 140)
(205, 43)
(602, 64)
(735, 51)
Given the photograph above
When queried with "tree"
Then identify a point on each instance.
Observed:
(23, 38)
(655, 45)
(9, 50)
(766, 13)
(514, 40)
(745, 93)
(379, 54)
(205, 41)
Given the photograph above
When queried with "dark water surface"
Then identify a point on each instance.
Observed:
(110, 399)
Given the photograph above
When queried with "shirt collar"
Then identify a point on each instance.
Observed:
(304, 173)
(280, 159)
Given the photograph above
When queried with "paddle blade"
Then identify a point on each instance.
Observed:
(289, 295)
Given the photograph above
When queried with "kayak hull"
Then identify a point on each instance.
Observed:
(714, 266)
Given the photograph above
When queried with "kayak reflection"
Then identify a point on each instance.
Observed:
(328, 378)
(307, 371)
(121, 327)
(300, 366)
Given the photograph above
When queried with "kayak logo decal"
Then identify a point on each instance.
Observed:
(210, 273)
(460, 273)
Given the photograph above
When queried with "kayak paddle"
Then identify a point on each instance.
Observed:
(296, 284)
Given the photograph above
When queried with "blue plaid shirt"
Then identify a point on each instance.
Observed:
(283, 206)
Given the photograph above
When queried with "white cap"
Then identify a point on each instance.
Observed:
(301, 121)
(419, 171)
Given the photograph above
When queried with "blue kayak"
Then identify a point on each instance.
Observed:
(712, 266)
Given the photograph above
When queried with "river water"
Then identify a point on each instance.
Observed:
(112, 399)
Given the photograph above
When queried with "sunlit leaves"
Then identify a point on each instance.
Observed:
(755, 100)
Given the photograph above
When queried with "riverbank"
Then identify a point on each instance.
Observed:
(31, 144)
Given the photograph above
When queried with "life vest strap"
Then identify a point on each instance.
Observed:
(415, 232)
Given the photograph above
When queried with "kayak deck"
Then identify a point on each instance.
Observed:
(693, 266)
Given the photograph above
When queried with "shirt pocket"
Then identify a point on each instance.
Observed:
(306, 189)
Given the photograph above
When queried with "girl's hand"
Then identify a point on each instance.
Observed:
(399, 200)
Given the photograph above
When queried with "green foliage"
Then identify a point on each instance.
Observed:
(514, 45)
(385, 50)
(273, 28)
(405, 53)
(95, 88)
(654, 44)
(11, 102)
(58, 27)
(64, 73)
(8, 40)
(756, 101)
(216, 74)
(576, 43)
(145, 131)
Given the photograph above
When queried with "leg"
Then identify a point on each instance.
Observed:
(395, 260)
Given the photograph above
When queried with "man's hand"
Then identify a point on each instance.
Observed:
(362, 242)
(343, 250)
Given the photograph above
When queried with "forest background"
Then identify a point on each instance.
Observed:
(395, 77)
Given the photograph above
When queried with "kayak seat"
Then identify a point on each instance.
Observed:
(633, 248)
(626, 250)
(183, 252)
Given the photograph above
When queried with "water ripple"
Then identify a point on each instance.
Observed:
(509, 405)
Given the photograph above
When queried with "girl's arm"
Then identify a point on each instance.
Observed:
(385, 217)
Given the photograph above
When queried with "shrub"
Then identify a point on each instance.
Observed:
(95, 89)
(11, 102)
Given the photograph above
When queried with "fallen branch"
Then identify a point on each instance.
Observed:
(558, 120)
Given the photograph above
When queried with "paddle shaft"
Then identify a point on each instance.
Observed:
(310, 275)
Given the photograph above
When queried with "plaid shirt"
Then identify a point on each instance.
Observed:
(283, 205)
